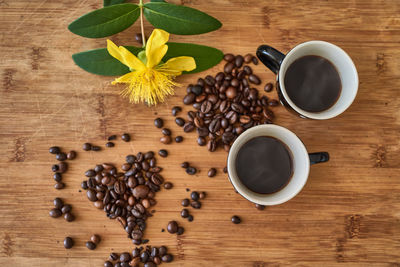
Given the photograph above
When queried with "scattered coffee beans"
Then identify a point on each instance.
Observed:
(185, 164)
(55, 213)
(168, 185)
(194, 195)
(185, 213)
(185, 202)
(110, 144)
(225, 170)
(71, 155)
(166, 139)
(166, 131)
(268, 87)
(260, 207)
(191, 170)
(68, 242)
(179, 121)
(59, 185)
(96, 148)
(69, 217)
(235, 219)
(61, 156)
(87, 146)
(112, 137)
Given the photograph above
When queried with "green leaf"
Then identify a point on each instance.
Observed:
(99, 61)
(179, 19)
(112, 2)
(205, 56)
(105, 21)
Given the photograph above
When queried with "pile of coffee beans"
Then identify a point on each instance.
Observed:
(126, 196)
(149, 256)
(226, 105)
(62, 166)
(189, 169)
(60, 209)
(194, 203)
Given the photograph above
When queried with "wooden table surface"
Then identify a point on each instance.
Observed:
(347, 214)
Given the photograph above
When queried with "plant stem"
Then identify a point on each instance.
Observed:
(141, 23)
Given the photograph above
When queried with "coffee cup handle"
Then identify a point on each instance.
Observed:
(318, 157)
(270, 57)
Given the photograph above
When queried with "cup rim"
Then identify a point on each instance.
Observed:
(237, 184)
(312, 115)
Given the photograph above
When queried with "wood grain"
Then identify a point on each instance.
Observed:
(348, 213)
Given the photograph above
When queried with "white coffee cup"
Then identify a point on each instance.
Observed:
(301, 161)
(279, 63)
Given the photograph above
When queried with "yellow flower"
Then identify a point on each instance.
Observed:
(151, 81)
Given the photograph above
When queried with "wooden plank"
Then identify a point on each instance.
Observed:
(348, 213)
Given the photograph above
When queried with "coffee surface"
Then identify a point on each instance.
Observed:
(264, 165)
(313, 83)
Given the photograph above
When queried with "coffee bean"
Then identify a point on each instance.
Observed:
(185, 202)
(91, 195)
(180, 231)
(229, 67)
(54, 150)
(248, 58)
(134, 262)
(90, 173)
(110, 144)
(229, 57)
(55, 168)
(126, 137)
(166, 139)
(69, 217)
(90, 245)
(140, 191)
(220, 77)
(95, 239)
(135, 253)
(189, 99)
(112, 137)
(84, 185)
(179, 121)
(212, 172)
(254, 60)
(163, 153)
(157, 260)
(188, 127)
(150, 264)
(206, 107)
(98, 204)
(260, 207)
(211, 145)
(59, 185)
(61, 156)
(87, 146)
(185, 164)
(124, 264)
(254, 79)
(190, 218)
(201, 141)
(55, 213)
(273, 103)
(235, 219)
(197, 90)
(175, 110)
(268, 87)
(194, 195)
(195, 204)
(68, 242)
(225, 170)
(96, 148)
(215, 125)
(167, 258)
(108, 264)
(172, 227)
(231, 92)
(185, 213)
(58, 203)
(168, 185)
(66, 208)
(178, 139)
(139, 38)
(202, 131)
(191, 170)
(62, 167)
(239, 61)
(202, 195)
(125, 257)
(159, 123)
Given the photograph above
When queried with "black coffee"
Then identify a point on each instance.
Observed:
(313, 83)
(264, 165)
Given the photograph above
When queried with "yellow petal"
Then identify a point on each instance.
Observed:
(127, 78)
(176, 65)
(124, 56)
(156, 48)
